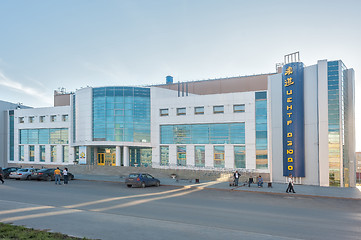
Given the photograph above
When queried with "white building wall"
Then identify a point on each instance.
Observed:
(36, 113)
(163, 98)
(323, 123)
(83, 119)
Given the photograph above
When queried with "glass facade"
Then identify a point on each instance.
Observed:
(31, 153)
(121, 114)
(164, 155)
(261, 130)
(52, 153)
(21, 153)
(225, 133)
(334, 141)
(65, 154)
(140, 157)
(239, 156)
(42, 153)
(181, 156)
(199, 156)
(338, 124)
(11, 135)
(218, 156)
(44, 136)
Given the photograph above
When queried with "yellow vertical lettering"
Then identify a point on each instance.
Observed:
(289, 99)
(289, 151)
(289, 92)
(289, 122)
(290, 168)
(289, 143)
(290, 159)
(289, 134)
(289, 107)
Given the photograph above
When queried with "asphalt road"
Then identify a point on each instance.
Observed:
(105, 210)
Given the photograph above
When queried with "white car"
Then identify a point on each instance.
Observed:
(24, 174)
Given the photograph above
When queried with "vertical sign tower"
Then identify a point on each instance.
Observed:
(293, 116)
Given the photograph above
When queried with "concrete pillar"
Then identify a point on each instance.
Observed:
(126, 156)
(117, 156)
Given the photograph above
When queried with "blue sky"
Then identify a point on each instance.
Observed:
(45, 44)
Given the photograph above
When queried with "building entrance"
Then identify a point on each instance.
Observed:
(106, 157)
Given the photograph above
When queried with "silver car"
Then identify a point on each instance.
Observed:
(24, 174)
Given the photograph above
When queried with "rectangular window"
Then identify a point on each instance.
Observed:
(52, 153)
(41, 119)
(240, 156)
(199, 156)
(42, 153)
(31, 119)
(21, 119)
(233, 133)
(65, 118)
(65, 154)
(261, 130)
(181, 111)
(218, 109)
(164, 112)
(199, 110)
(181, 156)
(52, 118)
(164, 155)
(239, 108)
(218, 156)
(31, 153)
(21, 154)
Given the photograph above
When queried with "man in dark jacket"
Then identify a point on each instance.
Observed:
(236, 176)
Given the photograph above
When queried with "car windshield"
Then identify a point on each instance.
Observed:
(133, 175)
(23, 170)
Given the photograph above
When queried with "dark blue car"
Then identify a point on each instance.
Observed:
(141, 180)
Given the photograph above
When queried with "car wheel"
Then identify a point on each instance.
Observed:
(143, 185)
(157, 184)
(48, 178)
(28, 177)
(129, 186)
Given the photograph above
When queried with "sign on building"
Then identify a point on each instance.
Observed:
(293, 120)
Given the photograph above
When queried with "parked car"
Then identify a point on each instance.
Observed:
(141, 180)
(8, 170)
(23, 173)
(47, 174)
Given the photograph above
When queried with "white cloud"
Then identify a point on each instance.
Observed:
(18, 87)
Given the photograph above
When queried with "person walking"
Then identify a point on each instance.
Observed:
(57, 175)
(290, 184)
(236, 176)
(65, 174)
(1, 175)
(260, 181)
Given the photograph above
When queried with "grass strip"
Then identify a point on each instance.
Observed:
(12, 232)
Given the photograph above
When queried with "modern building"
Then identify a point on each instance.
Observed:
(299, 120)
(7, 130)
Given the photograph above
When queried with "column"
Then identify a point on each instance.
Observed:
(126, 156)
(117, 156)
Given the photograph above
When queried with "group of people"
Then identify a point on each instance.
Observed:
(237, 175)
(57, 175)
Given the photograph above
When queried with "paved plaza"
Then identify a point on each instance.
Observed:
(102, 207)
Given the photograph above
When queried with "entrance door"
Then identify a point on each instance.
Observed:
(101, 158)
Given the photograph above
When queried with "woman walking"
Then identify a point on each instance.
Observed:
(290, 184)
